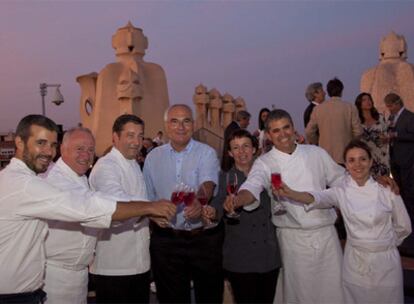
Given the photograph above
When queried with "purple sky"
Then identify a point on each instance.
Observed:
(265, 51)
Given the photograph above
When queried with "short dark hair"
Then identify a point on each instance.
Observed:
(358, 104)
(357, 143)
(276, 115)
(335, 87)
(122, 120)
(393, 98)
(23, 128)
(227, 161)
(262, 123)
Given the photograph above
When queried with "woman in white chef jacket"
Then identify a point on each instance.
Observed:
(376, 222)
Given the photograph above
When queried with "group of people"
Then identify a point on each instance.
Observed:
(331, 124)
(190, 223)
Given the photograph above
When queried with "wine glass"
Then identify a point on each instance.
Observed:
(189, 196)
(202, 198)
(278, 208)
(177, 198)
(232, 187)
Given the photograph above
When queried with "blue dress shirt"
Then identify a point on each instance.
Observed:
(165, 168)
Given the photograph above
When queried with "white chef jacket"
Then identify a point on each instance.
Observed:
(69, 246)
(122, 249)
(25, 200)
(310, 249)
(307, 168)
(376, 222)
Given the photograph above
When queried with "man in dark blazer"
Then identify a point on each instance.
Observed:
(315, 95)
(402, 148)
(242, 122)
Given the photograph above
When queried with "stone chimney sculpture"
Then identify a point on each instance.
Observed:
(201, 101)
(129, 86)
(229, 109)
(392, 74)
(214, 109)
(213, 114)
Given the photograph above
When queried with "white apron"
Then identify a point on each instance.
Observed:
(313, 259)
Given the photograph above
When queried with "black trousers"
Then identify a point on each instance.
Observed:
(179, 257)
(253, 287)
(122, 289)
(35, 297)
(404, 176)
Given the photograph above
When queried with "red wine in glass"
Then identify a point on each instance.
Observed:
(231, 188)
(278, 208)
(203, 200)
(175, 198)
(181, 195)
(276, 180)
(189, 198)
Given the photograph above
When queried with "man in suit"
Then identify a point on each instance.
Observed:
(242, 122)
(336, 121)
(315, 95)
(402, 148)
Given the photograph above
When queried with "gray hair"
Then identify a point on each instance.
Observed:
(68, 134)
(176, 106)
(311, 90)
(242, 115)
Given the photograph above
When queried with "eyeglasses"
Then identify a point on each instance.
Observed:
(186, 122)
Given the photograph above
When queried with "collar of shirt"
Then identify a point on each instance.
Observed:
(178, 157)
(83, 180)
(125, 162)
(19, 164)
(315, 103)
(185, 150)
(114, 151)
(335, 98)
(368, 187)
(284, 155)
(397, 115)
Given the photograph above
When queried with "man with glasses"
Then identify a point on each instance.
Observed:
(187, 251)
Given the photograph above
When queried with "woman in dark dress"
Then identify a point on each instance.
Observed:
(251, 256)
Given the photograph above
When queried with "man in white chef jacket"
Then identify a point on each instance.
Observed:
(26, 200)
(121, 266)
(310, 248)
(70, 246)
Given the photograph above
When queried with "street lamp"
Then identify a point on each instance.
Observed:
(57, 99)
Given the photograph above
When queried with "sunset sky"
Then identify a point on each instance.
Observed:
(265, 51)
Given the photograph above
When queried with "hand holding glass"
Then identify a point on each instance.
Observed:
(189, 197)
(177, 198)
(231, 187)
(202, 198)
(278, 208)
